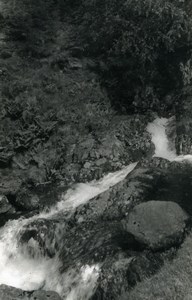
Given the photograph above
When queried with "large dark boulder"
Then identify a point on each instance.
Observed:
(158, 224)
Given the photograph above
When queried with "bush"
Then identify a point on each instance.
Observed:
(26, 20)
(141, 44)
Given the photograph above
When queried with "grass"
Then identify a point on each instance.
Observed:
(172, 282)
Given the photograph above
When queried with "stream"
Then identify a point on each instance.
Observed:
(19, 269)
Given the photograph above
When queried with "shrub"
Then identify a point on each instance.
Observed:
(141, 44)
(26, 20)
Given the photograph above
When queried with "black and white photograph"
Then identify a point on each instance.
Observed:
(95, 149)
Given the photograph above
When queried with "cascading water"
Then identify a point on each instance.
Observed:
(19, 269)
(157, 129)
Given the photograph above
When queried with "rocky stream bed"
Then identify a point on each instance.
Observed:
(98, 240)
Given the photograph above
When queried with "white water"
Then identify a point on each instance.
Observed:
(20, 270)
(157, 129)
(159, 138)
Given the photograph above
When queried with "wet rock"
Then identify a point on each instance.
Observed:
(44, 295)
(10, 185)
(112, 281)
(184, 124)
(158, 224)
(93, 242)
(27, 200)
(11, 293)
(155, 163)
(107, 146)
(117, 201)
(5, 206)
(43, 235)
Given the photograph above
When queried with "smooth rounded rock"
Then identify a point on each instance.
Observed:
(157, 224)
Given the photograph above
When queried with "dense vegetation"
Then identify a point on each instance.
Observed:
(142, 44)
(143, 48)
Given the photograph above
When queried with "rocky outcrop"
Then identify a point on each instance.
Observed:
(107, 147)
(112, 281)
(184, 124)
(7, 211)
(5, 206)
(157, 224)
(117, 201)
(47, 233)
(9, 185)
(83, 222)
(120, 273)
(11, 293)
(27, 200)
(173, 183)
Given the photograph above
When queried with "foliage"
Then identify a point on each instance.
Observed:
(173, 280)
(141, 44)
(142, 47)
(28, 21)
(186, 70)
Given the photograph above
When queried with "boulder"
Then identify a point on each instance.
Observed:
(92, 242)
(158, 224)
(10, 185)
(43, 235)
(117, 201)
(174, 184)
(112, 281)
(27, 200)
(7, 211)
(11, 293)
(5, 206)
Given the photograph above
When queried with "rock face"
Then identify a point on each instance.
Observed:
(5, 206)
(7, 211)
(9, 185)
(11, 293)
(158, 224)
(183, 123)
(27, 200)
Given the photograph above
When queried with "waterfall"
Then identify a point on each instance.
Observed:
(157, 129)
(19, 269)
